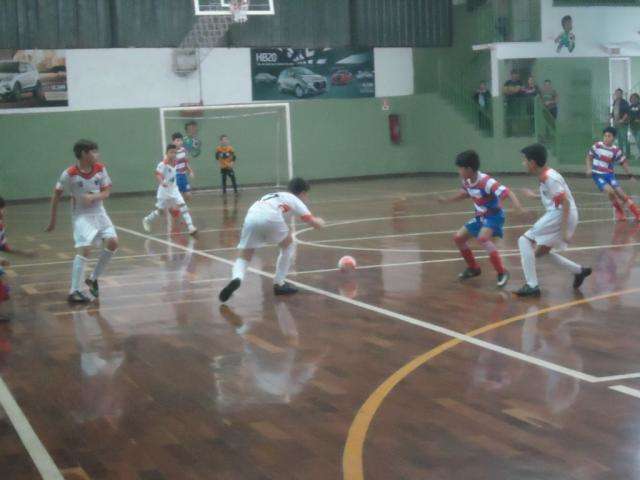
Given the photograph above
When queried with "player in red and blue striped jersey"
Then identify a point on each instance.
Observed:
(182, 166)
(601, 161)
(487, 195)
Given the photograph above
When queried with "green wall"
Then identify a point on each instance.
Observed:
(331, 139)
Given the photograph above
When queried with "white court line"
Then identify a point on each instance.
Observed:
(419, 234)
(41, 458)
(626, 390)
(616, 378)
(414, 321)
(403, 250)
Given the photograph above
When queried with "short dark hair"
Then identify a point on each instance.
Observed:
(171, 146)
(2, 202)
(188, 124)
(176, 135)
(619, 90)
(298, 185)
(547, 81)
(84, 146)
(468, 159)
(612, 130)
(536, 153)
(565, 19)
(223, 135)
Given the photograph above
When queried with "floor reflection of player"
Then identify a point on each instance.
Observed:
(180, 269)
(545, 338)
(229, 234)
(614, 265)
(260, 376)
(100, 360)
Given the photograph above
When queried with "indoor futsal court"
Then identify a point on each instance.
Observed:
(290, 239)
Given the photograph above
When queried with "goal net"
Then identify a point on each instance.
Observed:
(259, 133)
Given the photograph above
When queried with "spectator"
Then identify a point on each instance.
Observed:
(620, 118)
(530, 91)
(512, 91)
(634, 117)
(550, 98)
(482, 100)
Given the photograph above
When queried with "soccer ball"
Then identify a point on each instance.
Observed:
(347, 264)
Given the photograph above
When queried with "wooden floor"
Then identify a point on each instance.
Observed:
(397, 371)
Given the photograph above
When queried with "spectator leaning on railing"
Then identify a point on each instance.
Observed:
(512, 91)
(482, 98)
(530, 91)
(620, 118)
(549, 98)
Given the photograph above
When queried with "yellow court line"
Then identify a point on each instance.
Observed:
(352, 458)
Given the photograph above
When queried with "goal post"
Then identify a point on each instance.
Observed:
(259, 132)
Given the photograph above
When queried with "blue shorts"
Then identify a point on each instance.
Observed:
(603, 179)
(183, 182)
(494, 222)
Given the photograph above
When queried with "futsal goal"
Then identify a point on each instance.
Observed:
(260, 133)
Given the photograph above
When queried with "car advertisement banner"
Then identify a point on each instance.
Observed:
(33, 78)
(289, 73)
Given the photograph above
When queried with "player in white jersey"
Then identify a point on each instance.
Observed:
(267, 223)
(89, 185)
(168, 195)
(554, 229)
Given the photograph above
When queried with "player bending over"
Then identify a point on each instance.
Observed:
(89, 185)
(487, 195)
(601, 160)
(267, 222)
(554, 229)
(168, 196)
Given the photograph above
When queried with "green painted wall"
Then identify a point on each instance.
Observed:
(434, 67)
(331, 139)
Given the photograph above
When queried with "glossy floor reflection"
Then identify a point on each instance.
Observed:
(159, 381)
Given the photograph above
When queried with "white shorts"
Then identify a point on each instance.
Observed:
(260, 230)
(92, 228)
(171, 200)
(547, 230)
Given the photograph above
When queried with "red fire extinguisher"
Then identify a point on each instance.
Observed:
(394, 128)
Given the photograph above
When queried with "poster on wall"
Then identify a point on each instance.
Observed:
(33, 78)
(289, 73)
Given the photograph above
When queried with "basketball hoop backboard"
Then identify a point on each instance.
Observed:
(222, 7)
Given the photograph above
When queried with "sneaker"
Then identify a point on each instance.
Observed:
(78, 297)
(579, 277)
(146, 225)
(503, 278)
(469, 273)
(93, 287)
(284, 289)
(527, 291)
(192, 230)
(227, 291)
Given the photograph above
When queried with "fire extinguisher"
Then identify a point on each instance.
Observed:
(394, 128)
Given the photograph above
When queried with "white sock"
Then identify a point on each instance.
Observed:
(565, 263)
(77, 272)
(284, 263)
(528, 260)
(240, 268)
(103, 260)
(152, 216)
(186, 216)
